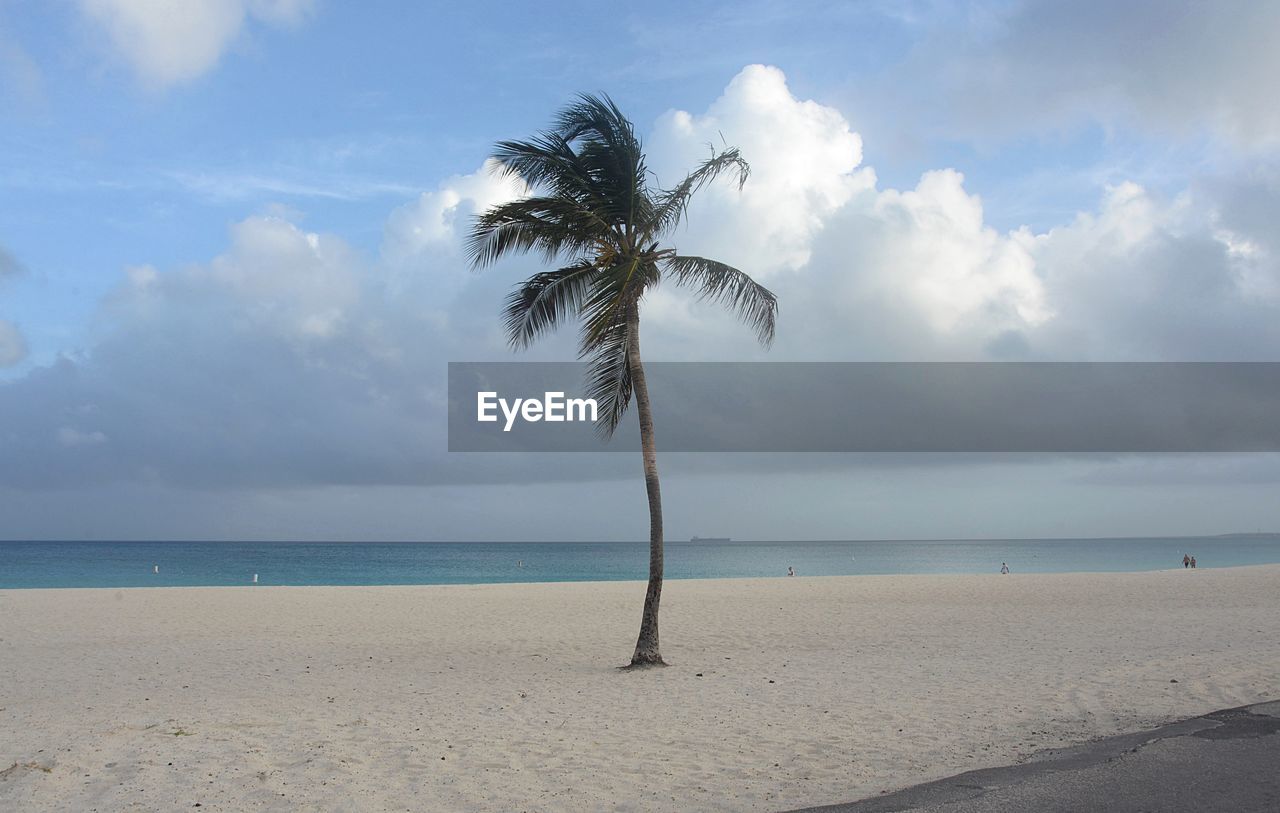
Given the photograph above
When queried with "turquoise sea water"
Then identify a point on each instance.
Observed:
(130, 564)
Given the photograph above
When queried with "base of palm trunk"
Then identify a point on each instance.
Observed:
(640, 662)
(647, 652)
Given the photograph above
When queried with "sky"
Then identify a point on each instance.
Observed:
(232, 274)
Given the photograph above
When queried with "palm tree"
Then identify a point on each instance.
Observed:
(594, 211)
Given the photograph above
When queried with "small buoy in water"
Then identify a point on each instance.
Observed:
(255, 578)
(155, 568)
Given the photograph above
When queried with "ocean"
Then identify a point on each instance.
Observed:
(134, 564)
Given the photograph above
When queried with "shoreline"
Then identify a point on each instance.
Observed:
(666, 580)
(782, 693)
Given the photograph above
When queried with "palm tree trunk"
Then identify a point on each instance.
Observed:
(647, 652)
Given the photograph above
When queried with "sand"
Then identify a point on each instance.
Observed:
(782, 692)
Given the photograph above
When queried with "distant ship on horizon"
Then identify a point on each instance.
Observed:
(710, 539)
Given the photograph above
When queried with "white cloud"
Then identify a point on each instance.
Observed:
(237, 186)
(1149, 279)
(810, 219)
(1185, 68)
(280, 360)
(844, 256)
(864, 272)
(941, 254)
(169, 43)
(440, 219)
(804, 166)
(302, 283)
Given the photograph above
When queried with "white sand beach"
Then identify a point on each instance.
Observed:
(781, 693)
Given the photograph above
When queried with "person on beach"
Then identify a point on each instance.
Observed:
(791, 571)
(1004, 569)
(1186, 560)
(1193, 562)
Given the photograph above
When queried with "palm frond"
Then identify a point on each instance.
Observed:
(540, 303)
(553, 226)
(595, 118)
(608, 147)
(723, 284)
(609, 375)
(671, 204)
(605, 337)
(548, 162)
(536, 161)
(590, 156)
(614, 288)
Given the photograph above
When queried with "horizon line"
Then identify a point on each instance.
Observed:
(680, 540)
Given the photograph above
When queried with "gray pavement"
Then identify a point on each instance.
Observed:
(1225, 761)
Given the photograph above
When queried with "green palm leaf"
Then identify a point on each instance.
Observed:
(540, 303)
(725, 285)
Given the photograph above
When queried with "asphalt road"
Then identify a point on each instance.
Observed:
(1225, 761)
